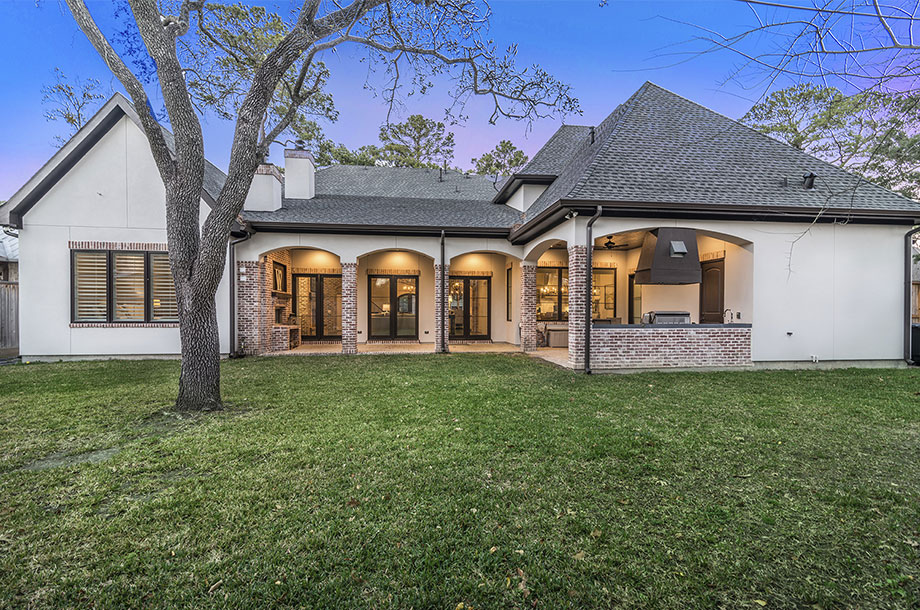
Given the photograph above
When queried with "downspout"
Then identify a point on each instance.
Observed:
(908, 281)
(443, 348)
(233, 274)
(589, 279)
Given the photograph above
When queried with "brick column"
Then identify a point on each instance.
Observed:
(578, 283)
(252, 301)
(441, 324)
(349, 308)
(528, 306)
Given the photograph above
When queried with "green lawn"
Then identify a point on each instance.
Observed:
(492, 480)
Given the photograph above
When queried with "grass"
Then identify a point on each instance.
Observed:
(490, 480)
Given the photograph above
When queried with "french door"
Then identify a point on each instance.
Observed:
(470, 307)
(392, 307)
(318, 306)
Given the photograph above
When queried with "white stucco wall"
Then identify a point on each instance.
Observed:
(830, 291)
(113, 194)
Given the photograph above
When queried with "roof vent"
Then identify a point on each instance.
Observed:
(678, 249)
(809, 180)
(591, 131)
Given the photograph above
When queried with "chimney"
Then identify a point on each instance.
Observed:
(265, 191)
(299, 174)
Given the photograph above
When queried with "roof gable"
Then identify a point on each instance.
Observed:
(76, 148)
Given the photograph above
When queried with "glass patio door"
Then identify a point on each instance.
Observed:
(392, 307)
(318, 306)
(469, 307)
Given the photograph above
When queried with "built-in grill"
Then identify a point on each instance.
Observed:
(666, 317)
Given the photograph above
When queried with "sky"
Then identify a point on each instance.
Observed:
(604, 53)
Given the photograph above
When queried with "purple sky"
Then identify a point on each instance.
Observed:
(604, 53)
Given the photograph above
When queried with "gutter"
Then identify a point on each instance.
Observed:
(555, 215)
(233, 274)
(908, 281)
(589, 279)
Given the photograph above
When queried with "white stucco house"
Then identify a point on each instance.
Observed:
(708, 245)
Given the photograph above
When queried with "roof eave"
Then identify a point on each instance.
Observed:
(359, 229)
(517, 180)
(556, 212)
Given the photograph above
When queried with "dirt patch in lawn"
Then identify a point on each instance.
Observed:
(58, 460)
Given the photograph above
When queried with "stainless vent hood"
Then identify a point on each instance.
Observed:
(669, 256)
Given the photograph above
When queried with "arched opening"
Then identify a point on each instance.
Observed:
(316, 295)
(395, 297)
(721, 292)
(483, 298)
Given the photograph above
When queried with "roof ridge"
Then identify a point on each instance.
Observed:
(608, 137)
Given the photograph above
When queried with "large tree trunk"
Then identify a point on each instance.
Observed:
(199, 381)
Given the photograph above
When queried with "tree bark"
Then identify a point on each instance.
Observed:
(199, 380)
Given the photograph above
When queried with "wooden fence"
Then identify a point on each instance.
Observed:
(9, 319)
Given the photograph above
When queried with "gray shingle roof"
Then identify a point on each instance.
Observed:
(402, 182)
(658, 147)
(390, 211)
(552, 158)
(214, 178)
(395, 196)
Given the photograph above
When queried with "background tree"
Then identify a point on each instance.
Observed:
(503, 160)
(854, 45)
(71, 101)
(330, 153)
(417, 142)
(265, 72)
(872, 134)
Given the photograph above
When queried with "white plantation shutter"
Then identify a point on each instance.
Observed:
(89, 286)
(162, 290)
(128, 284)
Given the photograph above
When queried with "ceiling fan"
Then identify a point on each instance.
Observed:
(611, 245)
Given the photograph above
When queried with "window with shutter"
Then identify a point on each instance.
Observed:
(128, 283)
(163, 306)
(90, 278)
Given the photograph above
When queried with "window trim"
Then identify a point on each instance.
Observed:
(110, 290)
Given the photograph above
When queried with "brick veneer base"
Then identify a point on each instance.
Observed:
(528, 307)
(441, 330)
(578, 282)
(640, 347)
(349, 308)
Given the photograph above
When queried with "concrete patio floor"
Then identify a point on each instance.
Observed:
(556, 355)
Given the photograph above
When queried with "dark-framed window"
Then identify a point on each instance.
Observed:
(279, 277)
(603, 294)
(553, 294)
(121, 286)
(508, 293)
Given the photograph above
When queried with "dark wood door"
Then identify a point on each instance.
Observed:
(712, 292)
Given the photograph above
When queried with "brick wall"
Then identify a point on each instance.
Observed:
(276, 301)
(528, 307)
(647, 347)
(441, 323)
(251, 301)
(578, 261)
(349, 308)
(256, 304)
